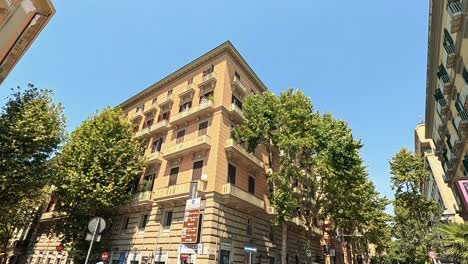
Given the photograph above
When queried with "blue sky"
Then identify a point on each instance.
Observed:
(362, 61)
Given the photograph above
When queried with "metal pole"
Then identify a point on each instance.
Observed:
(92, 240)
(250, 258)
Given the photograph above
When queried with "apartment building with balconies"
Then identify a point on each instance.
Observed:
(447, 91)
(185, 121)
(435, 187)
(21, 21)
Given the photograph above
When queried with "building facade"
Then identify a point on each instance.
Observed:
(193, 162)
(447, 93)
(21, 21)
(434, 188)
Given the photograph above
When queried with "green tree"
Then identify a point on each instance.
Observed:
(31, 129)
(317, 154)
(95, 170)
(455, 241)
(413, 224)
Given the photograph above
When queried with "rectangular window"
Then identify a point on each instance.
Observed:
(180, 136)
(249, 230)
(231, 174)
(148, 182)
(153, 102)
(251, 184)
(237, 75)
(125, 223)
(236, 102)
(205, 98)
(148, 122)
(203, 128)
(144, 221)
(173, 176)
(197, 170)
(157, 143)
(135, 128)
(164, 116)
(167, 221)
(186, 106)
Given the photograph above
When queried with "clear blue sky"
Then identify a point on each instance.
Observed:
(363, 61)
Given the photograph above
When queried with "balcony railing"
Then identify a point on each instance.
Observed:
(174, 192)
(237, 150)
(150, 109)
(454, 11)
(192, 145)
(208, 79)
(137, 201)
(161, 126)
(136, 116)
(165, 100)
(464, 96)
(188, 89)
(238, 86)
(235, 192)
(442, 107)
(140, 197)
(155, 157)
(461, 121)
(201, 109)
(450, 55)
(236, 113)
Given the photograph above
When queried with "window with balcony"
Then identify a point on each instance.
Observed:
(135, 128)
(465, 75)
(157, 144)
(164, 116)
(448, 141)
(236, 102)
(180, 136)
(458, 104)
(143, 221)
(153, 102)
(167, 220)
(237, 75)
(448, 43)
(173, 176)
(197, 170)
(148, 122)
(133, 188)
(209, 70)
(185, 106)
(148, 182)
(232, 170)
(442, 74)
(140, 108)
(465, 166)
(206, 97)
(251, 184)
(203, 128)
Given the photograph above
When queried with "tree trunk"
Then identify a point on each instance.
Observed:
(284, 243)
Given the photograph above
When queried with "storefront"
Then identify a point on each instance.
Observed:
(187, 253)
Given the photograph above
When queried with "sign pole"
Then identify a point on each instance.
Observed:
(250, 258)
(92, 240)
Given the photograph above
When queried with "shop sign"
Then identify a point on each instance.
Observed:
(190, 248)
(225, 246)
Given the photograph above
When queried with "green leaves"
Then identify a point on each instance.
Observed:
(454, 242)
(412, 223)
(31, 129)
(94, 171)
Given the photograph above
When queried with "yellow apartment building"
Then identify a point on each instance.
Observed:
(447, 93)
(434, 188)
(21, 21)
(186, 120)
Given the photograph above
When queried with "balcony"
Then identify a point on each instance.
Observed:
(46, 216)
(155, 157)
(450, 55)
(236, 113)
(208, 80)
(138, 201)
(166, 100)
(301, 223)
(193, 145)
(461, 122)
(137, 116)
(445, 82)
(454, 11)
(204, 108)
(238, 197)
(188, 90)
(159, 127)
(238, 86)
(442, 107)
(176, 192)
(464, 96)
(235, 150)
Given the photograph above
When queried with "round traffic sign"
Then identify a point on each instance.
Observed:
(105, 256)
(59, 248)
(96, 222)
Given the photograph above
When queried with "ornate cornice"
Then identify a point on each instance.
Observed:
(225, 48)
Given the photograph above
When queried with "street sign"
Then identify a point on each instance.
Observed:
(250, 249)
(190, 226)
(193, 204)
(190, 248)
(105, 256)
(94, 222)
(122, 258)
(89, 237)
(309, 253)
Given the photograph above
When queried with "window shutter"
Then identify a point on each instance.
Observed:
(197, 170)
(180, 136)
(203, 128)
(173, 176)
(231, 174)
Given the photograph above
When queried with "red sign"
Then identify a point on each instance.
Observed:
(59, 248)
(190, 227)
(105, 256)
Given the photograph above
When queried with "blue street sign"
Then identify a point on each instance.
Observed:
(122, 258)
(250, 249)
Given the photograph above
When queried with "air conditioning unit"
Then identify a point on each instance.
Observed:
(204, 177)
